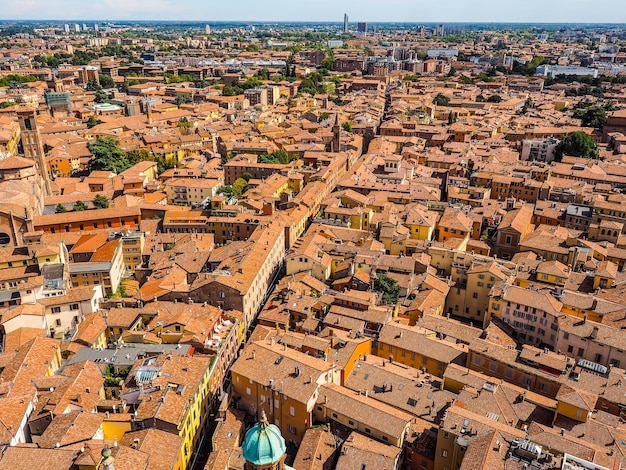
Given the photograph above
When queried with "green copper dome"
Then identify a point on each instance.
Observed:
(263, 444)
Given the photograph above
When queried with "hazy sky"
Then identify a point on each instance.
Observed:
(613, 11)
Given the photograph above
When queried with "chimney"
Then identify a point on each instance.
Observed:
(594, 333)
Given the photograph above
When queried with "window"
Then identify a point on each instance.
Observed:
(493, 367)
(292, 429)
(507, 240)
(56, 309)
(444, 453)
(74, 307)
(292, 411)
(579, 413)
(58, 322)
(475, 295)
(581, 351)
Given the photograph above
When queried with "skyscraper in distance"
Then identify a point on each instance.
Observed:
(362, 28)
(345, 22)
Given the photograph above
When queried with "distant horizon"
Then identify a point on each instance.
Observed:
(304, 22)
(371, 11)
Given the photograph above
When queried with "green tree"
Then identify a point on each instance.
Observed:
(101, 97)
(80, 206)
(389, 287)
(239, 187)
(83, 57)
(280, 156)
(346, 126)
(528, 104)
(60, 209)
(7, 104)
(100, 202)
(441, 100)
(247, 176)
(576, 144)
(529, 68)
(480, 99)
(12, 80)
(324, 115)
(226, 191)
(263, 74)
(106, 81)
(93, 122)
(494, 99)
(93, 85)
(183, 99)
(107, 155)
(328, 63)
(594, 116)
(252, 48)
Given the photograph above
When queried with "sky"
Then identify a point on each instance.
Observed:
(517, 11)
